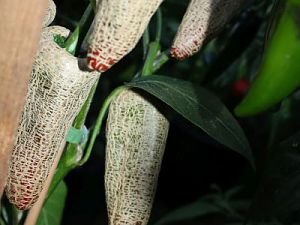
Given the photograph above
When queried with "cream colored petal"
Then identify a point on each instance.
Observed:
(117, 28)
(49, 14)
(136, 135)
(203, 20)
(56, 92)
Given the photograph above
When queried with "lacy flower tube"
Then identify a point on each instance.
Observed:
(56, 93)
(136, 136)
(49, 14)
(117, 28)
(203, 20)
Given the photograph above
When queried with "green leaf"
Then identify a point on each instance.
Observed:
(278, 194)
(197, 209)
(211, 204)
(52, 211)
(200, 107)
(72, 41)
(240, 223)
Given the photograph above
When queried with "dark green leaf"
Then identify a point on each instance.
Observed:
(200, 107)
(52, 211)
(197, 209)
(234, 223)
(211, 204)
(278, 195)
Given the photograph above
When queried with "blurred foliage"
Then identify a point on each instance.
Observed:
(216, 204)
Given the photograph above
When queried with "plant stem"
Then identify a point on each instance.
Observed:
(94, 4)
(146, 41)
(71, 43)
(69, 158)
(158, 25)
(81, 117)
(154, 48)
(99, 122)
(69, 161)
(161, 60)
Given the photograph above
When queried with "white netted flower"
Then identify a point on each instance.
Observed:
(203, 20)
(136, 135)
(117, 28)
(56, 93)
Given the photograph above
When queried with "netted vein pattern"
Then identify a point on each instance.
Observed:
(136, 136)
(49, 14)
(56, 92)
(117, 27)
(201, 22)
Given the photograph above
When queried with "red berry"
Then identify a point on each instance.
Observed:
(240, 87)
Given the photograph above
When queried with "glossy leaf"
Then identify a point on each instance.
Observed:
(200, 107)
(52, 211)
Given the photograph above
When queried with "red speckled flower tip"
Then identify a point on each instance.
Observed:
(117, 28)
(179, 54)
(203, 20)
(240, 87)
(97, 62)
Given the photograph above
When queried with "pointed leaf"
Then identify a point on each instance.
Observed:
(52, 211)
(200, 107)
(188, 212)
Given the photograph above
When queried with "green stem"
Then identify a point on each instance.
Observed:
(68, 161)
(158, 25)
(146, 41)
(72, 42)
(94, 4)
(69, 158)
(99, 122)
(81, 117)
(154, 48)
(161, 60)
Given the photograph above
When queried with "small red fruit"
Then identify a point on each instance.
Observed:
(240, 87)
